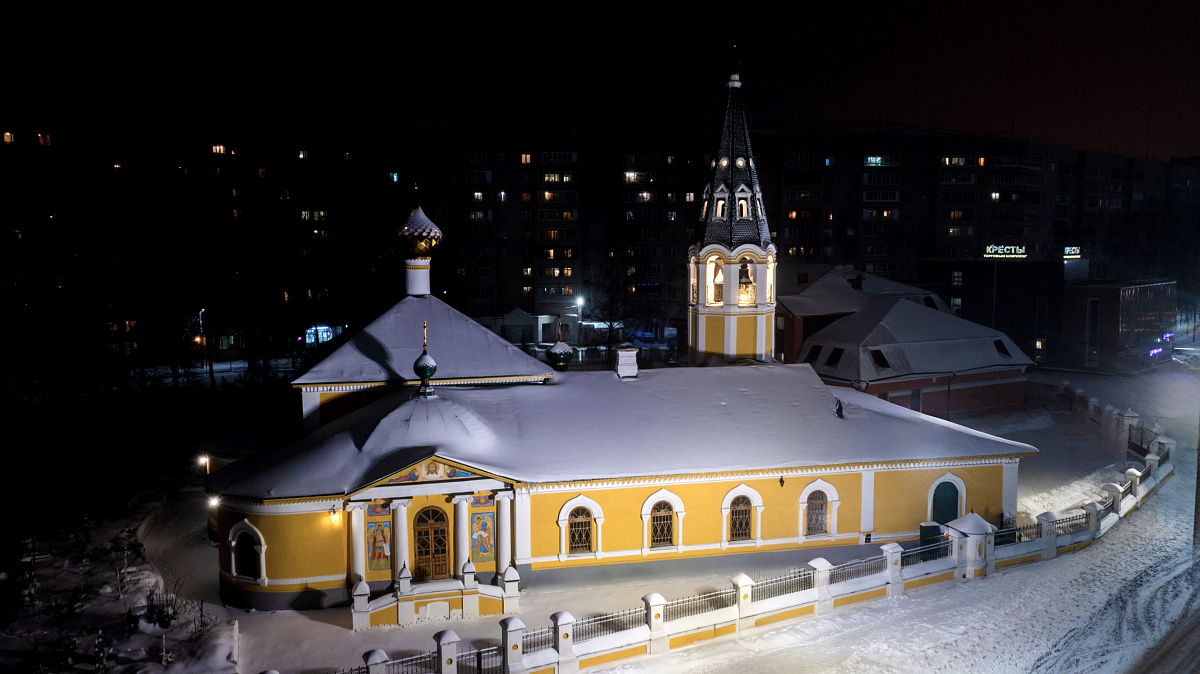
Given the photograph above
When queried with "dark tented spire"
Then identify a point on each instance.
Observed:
(734, 212)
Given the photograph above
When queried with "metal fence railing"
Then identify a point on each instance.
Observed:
(1164, 456)
(537, 640)
(859, 568)
(598, 626)
(416, 664)
(1107, 508)
(1126, 489)
(1072, 524)
(1025, 532)
(925, 553)
(482, 661)
(796, 580)
(701, 603)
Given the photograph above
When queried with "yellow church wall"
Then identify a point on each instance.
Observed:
(299, 545)
(747, 336)
(902, 496)
(714, 336)
(702, 523)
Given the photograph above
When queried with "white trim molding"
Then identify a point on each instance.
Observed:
(756, 501)
(260, 547)
(676, 505)
(564, 514)
(962, 495)
(834, 501)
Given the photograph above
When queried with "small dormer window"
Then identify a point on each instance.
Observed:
(704, 209)
(743, 209)
(720, 208)
(741, 163)
(724, 162)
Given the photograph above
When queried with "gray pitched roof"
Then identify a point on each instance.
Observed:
(732, 231)
(384, 351)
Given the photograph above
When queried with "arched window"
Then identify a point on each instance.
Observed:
(716, 287)
(818, 514)
(432, 534)
(579, 532)
(720, 208)
(246, 556)
(662, 525)
(743, 209)
(739, 519)
(945, 502)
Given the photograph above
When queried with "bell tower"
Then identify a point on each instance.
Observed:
(731, 310)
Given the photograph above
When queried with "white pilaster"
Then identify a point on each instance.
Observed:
(760, 346)
(400, 535)
(310, 404)
(1009, 490)
(358, 554)
(503, 531)
(521, 519)
(867, 523)
(462, 534)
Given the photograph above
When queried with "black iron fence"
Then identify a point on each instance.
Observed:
(859, 568)
(417, 664)
(796, 580)
(1107, 508)
(1025, 532)
(925, 553)
(537, 640)
(598, 626)
(1069, 525)
(482, 661)
(701, 603)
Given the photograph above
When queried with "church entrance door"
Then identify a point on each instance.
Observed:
(433, 545)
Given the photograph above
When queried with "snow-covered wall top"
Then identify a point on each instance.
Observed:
(592, 425)
(384, 351)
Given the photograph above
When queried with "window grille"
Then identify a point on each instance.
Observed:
(818, 514)
(739, 519)
(662, 529)
(580, 531)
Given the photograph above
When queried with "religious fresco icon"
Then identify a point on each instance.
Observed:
(430, 471)
(481, 501)
(483, 525)
(379, 509)
(379, 546)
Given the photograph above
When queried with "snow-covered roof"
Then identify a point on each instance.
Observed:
(828, 290)
(592, 425)
(910, 339)
(384, 351)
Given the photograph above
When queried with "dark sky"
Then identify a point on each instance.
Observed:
(1101, 75)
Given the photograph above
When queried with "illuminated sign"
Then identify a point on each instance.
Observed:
(1155, 352)
(1071, 253)
(994, 250)
(1168, 335)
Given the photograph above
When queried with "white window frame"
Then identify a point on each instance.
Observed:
(260, 547)
(833, 500)
(756, 501)
(564, 515)
(677, 506)
(962, 494)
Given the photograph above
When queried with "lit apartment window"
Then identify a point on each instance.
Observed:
(954, 161)
(671, 216)
(956, 215)
(1039, 344)
(956, 278)
(527, 272)
(995, 196)
(690, 196)
(525, 159)
(501, 196)
(218, 149)
(347, 156)
(479, 196)
(8, 137)
(306, 215)
(43, 139)
(670, 159)
(981, 161)
(791, 215)
(304, 154)
(956, 305)
(526, 290)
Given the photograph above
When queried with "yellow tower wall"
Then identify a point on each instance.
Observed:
(747, 336)
(714, 337)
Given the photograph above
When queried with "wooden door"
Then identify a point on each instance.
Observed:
(433, 545)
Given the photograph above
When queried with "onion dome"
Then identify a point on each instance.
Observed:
(421, 233)
(424, 366)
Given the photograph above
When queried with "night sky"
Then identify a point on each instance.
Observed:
(1100, 75)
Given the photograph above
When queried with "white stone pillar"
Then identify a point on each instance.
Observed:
(744, 585)
(462, 534)
(564, 641)
(358, 553)
(655, 604)
(512, 633)
(679, 533)
(1134, 477)
(447, 651)
(1049, 536)
(503, 531)
(820, 567)
(892, 552)
(400, 539)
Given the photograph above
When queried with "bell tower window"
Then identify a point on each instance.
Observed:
(716, 281)
(743, 209)
(720, 208)
(746, 286)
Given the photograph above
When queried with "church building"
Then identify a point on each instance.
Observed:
(443, 463)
